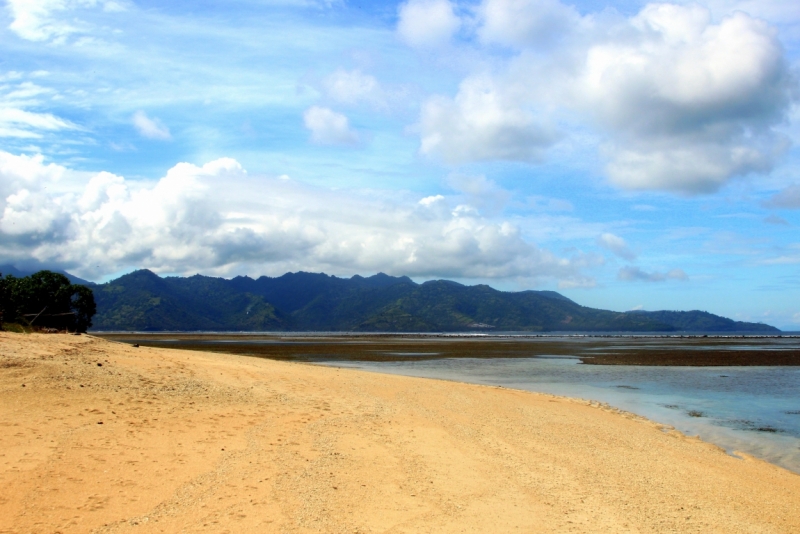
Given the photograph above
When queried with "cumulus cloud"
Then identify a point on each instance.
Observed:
(150, 128)
(778, 12)
(635, 274)
(616, 245)
(788, 199)
(95, 224)
(44, 20)
(688, 103)
(329, 127)
(482, 123)
(676, 99)
(684, 169)
(424, 23)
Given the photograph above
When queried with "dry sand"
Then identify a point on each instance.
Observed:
(159, 440)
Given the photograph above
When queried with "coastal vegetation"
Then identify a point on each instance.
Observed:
(45, 301)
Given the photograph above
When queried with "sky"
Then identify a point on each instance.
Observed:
(629, 155)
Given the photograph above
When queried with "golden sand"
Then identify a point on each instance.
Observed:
(157, 440)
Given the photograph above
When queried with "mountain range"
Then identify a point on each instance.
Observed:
(143, 301)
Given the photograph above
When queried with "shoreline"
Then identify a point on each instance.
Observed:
(767, 440)
(168, 439)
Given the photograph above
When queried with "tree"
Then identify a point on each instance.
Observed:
(5, 295)
(47, 299)
(82, 302)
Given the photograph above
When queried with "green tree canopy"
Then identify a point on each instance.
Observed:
(46, 299)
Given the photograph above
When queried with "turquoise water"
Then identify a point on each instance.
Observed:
(755, 410)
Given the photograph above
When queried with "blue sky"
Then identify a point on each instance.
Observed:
(629, 155)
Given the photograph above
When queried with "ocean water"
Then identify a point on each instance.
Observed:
(755, 410)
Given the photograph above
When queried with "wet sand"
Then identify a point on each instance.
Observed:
(694, 351)
(159, 440)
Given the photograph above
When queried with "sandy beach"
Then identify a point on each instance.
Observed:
(100, 436)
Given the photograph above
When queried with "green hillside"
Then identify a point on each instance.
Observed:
(143, 301)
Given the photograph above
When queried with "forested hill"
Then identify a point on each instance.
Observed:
(317, 302)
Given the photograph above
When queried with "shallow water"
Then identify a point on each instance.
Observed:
(755, 410)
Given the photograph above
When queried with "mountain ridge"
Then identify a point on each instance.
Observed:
(304, 301)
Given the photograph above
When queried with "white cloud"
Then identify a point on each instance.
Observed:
(617, 245)
(635, 274)
(26, 172)
(27, 124)
(577, 283)
(672, 98)
(788, 198)
(23, 179)
(185, 222)
(431, 200)
(424, 23)
(150, 128)
(479, 192)
(329, 127)
(521, 23)
(32, 19)
(43, 20)
(19, 115)
(353, 87)
(688, 104)
(777, 12)
(683, 168)
(26, 93)
(482, 123)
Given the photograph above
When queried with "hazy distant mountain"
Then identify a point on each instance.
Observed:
(307, 301)
(700, 321)
(20, 273)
